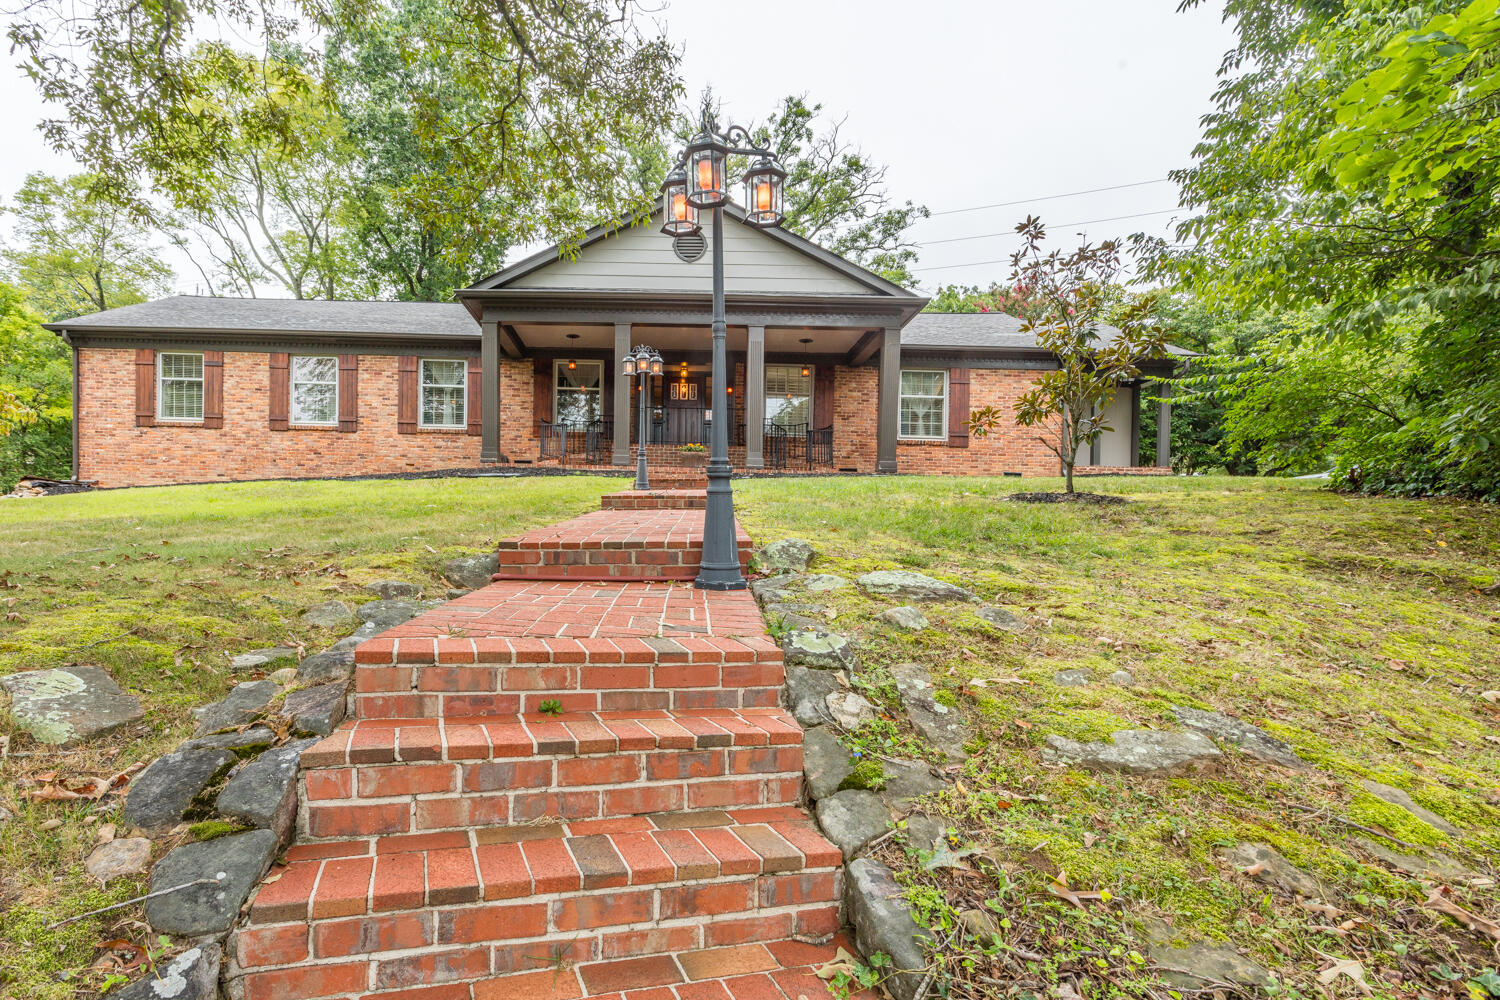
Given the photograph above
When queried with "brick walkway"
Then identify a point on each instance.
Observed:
(646, 844)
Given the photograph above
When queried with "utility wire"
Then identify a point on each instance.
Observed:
(1050, 225)
(1050, 197)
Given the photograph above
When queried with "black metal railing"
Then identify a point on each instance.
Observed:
(786, 446)
(791, 446)
(590, 442)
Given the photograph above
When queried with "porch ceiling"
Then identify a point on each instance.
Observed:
(779, 340)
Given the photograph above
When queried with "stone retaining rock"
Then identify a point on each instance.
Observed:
(68, 705)
(825, 762)
(329, 614)
(1236, 732)
(911, 586)
(1000, 618)
(244, 703)
(118, 858)
(1076, 677)
(252, 740)
(1123, 678)
(381, 615)
(1439, 866)
(1397, 797)
(472, 572)
(849, 710)
(263, 793)
(942, 727)
(329, 665)
(1269, 866)
(905, 616)
(822, 583)
(818, 647)
(784, 556)
(237, 862)
(316, 710)
(188, 975)
(773, 588)
(161, 795)
(1199, 964)
(1138, 751)
(391, 590)
(883, 922)
(259, 659)
(807, 692)
(906, 780)
(852, 818)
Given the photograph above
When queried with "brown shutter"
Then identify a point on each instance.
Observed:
(348, 393)
(145, 388)
(822, 401)
(541, 391)
(958, 408)
(408, 394)
(213, 389)
(281, 391)
(476, 398)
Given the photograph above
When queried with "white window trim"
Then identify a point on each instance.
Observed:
(559, 366)
(423, 385)
(291, 404)
(943, 409)
(161, 396)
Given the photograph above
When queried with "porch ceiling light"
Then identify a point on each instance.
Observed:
(763, 186)
(679, 216)
(705, 170)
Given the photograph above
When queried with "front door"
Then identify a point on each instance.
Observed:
(683, 404)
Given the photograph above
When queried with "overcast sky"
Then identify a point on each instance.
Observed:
(969, 102)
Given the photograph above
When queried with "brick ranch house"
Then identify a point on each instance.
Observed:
(834, 370)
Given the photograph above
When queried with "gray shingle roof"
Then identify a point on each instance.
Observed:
(208, 314)
(980, 332)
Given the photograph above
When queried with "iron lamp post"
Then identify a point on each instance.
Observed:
(644, 362)
(698, 182)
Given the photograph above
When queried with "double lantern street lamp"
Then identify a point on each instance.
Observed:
(644, 362)
(697, 182)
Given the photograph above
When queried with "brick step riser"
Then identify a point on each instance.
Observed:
(411, 797)
(419, 705)
(397, 950)
(604, 564)
(652, 503)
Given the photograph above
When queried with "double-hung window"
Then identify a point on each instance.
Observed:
(444, 392)
(315, 390)
(924, 405)
(577, 395)
(179, 388)
(788, 397)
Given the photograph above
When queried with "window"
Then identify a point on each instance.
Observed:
(315, 390)
(924, 404)
(443, 392)
(179, 390)
(576, 400)
(788, 396)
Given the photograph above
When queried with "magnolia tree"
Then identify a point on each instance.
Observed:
(1064, 300)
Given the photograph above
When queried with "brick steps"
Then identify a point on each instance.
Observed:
(467, 906)
(652, 544)
(386, 777)
(656, 499)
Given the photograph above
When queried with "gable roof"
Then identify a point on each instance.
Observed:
(980, 331)
(851, 278)
(213, 314)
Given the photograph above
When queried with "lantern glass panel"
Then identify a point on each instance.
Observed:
(706, 178)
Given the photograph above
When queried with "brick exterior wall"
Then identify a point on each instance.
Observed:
(115, 452)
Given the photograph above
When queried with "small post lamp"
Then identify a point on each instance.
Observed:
(643, 362)
(698, 182)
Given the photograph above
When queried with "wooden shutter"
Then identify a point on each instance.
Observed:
(408, 394)
(476, 398)
(348, 393)
(145, 388)
(958, 408)
(822, 401)
(213, 389)
(281, 391)
(541, 392)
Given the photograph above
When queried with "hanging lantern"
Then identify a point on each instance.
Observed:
(679, 216)
(655, 363)
(806, 368)
(628, 367)
(572, 365)
(763, 184)
(705, 171)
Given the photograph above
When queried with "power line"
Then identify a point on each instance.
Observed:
(1051, 197)
(1059, 225)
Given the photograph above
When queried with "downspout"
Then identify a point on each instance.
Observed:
(75, 410)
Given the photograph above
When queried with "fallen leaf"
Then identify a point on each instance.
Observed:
(1490, 696)
(1256, 869)
(1438, 900)
(1345, 967)
(842, 961)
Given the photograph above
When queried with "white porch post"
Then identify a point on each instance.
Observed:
(1164, 426)
(888, 401)
(620, 453)
(755, 398)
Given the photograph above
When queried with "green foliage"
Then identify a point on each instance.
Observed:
(867, 774)
(550, 706)
(212, 829)
(1349, 168)
(79, 251)
(36, 395)
(1064, 299)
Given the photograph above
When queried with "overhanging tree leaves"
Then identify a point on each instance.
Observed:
(1066, 301)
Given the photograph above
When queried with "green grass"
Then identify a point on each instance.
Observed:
(1353, 628)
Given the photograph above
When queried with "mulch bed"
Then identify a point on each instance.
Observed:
(1093, 498)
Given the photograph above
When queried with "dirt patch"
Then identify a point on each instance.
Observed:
(1102, 499)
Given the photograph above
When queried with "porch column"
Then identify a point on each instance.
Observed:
(1096, 446)
(888, 401)
(1164, 426)
(489, 387)
(1135, 424)
(620, 454)
(755, 398)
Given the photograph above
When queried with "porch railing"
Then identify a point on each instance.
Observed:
(786, 446)
(792, 446)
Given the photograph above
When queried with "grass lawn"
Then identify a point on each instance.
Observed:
(1355, 629)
